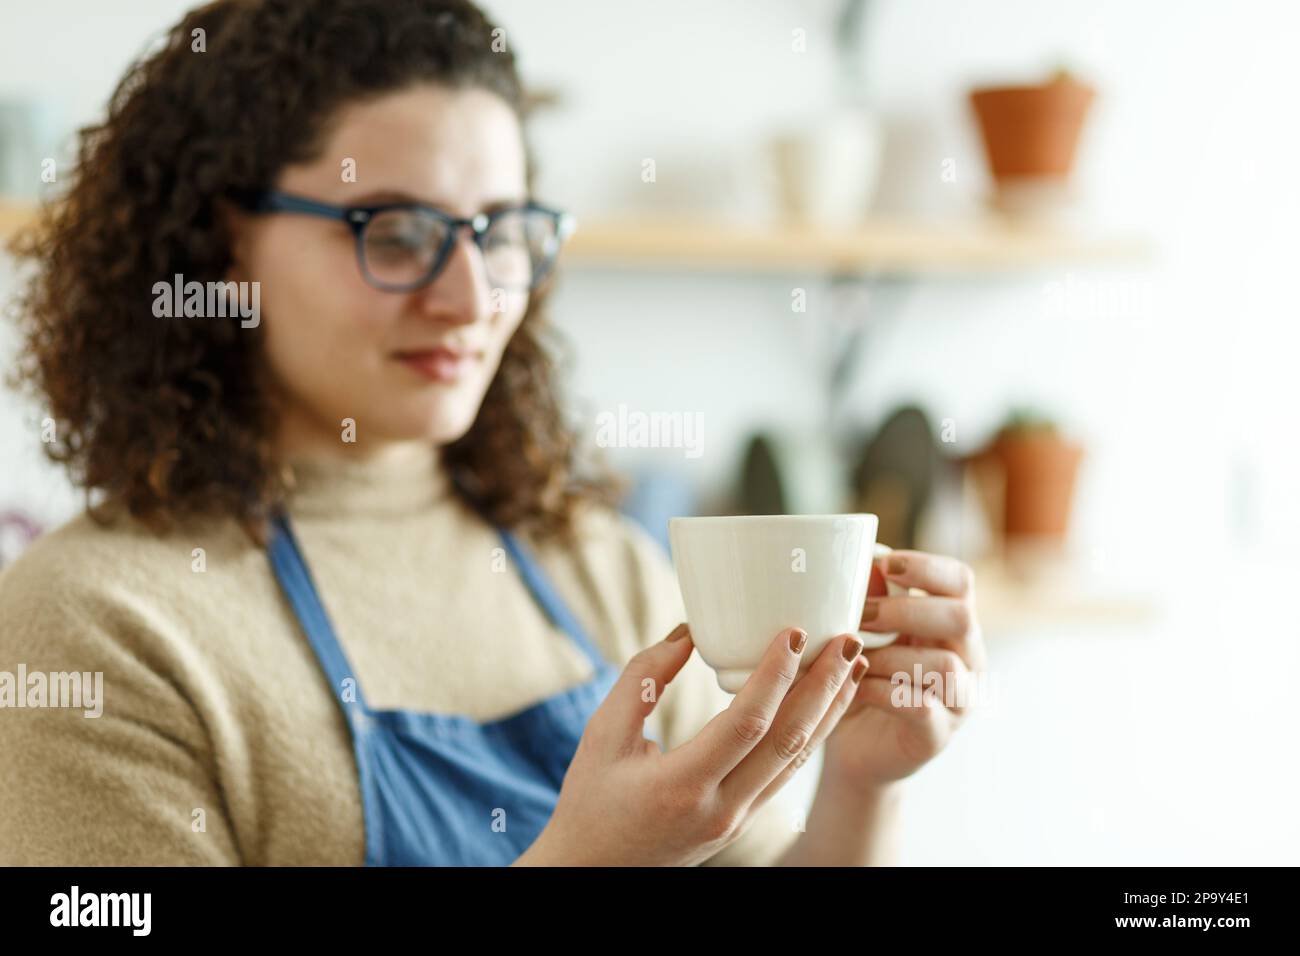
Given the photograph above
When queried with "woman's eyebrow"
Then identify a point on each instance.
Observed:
(378, 197)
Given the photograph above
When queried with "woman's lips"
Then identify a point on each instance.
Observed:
(438, 364)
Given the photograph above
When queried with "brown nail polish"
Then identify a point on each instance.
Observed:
(897, 565)
(859, 668)
(852, 648)
(871, 611)
(798, 639)
(680, 631)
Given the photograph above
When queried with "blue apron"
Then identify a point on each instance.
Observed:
(442, 789)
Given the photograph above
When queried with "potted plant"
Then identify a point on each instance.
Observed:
(1031, 135)
(1040, 466)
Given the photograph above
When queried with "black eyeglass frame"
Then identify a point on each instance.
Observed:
(359, 217)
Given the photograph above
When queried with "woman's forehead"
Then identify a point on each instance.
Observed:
(459, 149)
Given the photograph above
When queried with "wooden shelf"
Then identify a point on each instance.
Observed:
(1008, 601)
(977, 247)
(880, 246)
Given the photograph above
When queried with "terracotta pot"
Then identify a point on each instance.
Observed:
(1040, 470)
(1032, 131)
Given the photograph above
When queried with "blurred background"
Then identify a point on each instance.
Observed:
(1017, 276)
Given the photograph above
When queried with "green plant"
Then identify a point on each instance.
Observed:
(1024, 419)
(1062, 72)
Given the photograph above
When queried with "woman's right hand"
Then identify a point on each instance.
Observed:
(625, 801)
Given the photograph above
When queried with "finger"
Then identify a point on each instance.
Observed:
(619, 722)
(730, 736)
(945, 621)
(935, 573)
(879, 693)
(976, 656)
(876, 583)
(838, 709)
(923, 672)
(797, 720)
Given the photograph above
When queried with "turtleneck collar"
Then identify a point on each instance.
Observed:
(395, 482)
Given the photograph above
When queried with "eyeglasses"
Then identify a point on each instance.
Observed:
(403, 246)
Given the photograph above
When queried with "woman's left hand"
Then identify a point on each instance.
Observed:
(918, 689)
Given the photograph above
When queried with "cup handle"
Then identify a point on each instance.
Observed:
(872, 639)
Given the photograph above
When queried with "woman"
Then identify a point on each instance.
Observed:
(350, 595)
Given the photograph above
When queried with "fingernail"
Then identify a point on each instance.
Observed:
(871, 611)
(798, 639)
(680, 631)
(897, 565)
(859, 668)
(852, 648)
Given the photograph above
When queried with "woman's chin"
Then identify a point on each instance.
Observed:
(438, 418)
(440, 429)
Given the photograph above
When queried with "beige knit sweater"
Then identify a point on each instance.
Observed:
(220, 741)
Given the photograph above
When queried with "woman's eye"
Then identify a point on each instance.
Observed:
(512, 235)
(397, 242)
(395, 245)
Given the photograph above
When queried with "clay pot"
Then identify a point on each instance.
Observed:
(1040, 468)
(1032, 131)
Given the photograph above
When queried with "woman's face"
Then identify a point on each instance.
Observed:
(337, 347)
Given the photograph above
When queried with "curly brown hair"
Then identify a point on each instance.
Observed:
(173, 418)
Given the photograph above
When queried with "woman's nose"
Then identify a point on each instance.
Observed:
(461, 291)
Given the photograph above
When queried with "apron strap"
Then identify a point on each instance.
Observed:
(545, 594)
(297, 585)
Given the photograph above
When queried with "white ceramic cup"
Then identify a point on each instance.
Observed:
(745, 578)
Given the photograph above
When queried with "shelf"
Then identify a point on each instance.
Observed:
(881, 246)
(976, 247)
(1008, 601)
